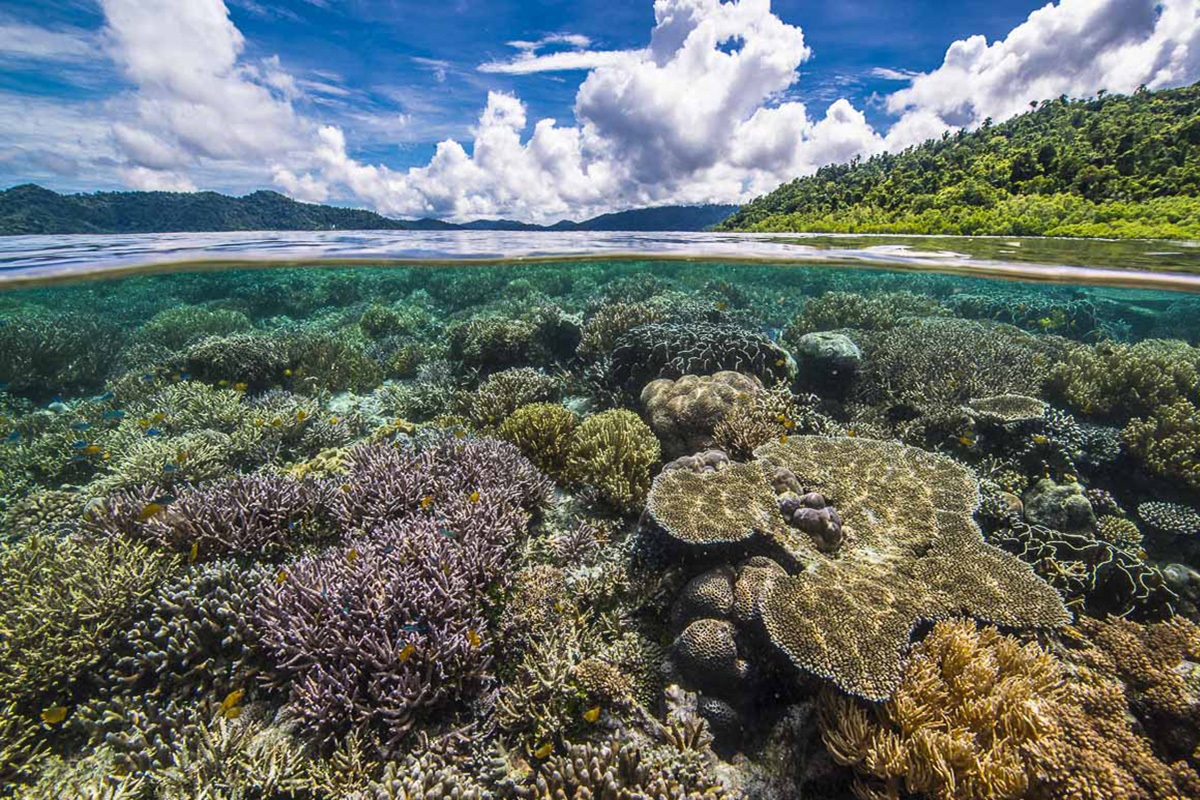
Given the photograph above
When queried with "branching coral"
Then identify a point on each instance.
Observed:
(1125, 380)
(911, 551)
(603, 328)
(881, 312)
(662, 350)
(613, 452)
(542, 432)
(493, 343)
(506, 391)
(176, 328)
(60, 601)
(44, 352)
(970, 702)
(1173, 518)
(1168, 442)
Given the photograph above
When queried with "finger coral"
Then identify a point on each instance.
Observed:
(1125, 380)
(614, 452)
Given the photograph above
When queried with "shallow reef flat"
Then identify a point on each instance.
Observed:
(613, 529)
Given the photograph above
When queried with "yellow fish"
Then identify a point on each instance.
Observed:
(426, 502)
(473, 496)
(143, 423)
(282, 576)
(54, 715)
(407, 652)
(258, 423)
(192, 556)
(473, 638)
(346, 487)
(301, 415)
(1039, 439)
(592, 714)
(229, 706)
(182, 456)
(287, 373)
(780, 362)
(789, 424)
(240, 387)
(544, 751)
(352, 555)
(852, 433)
(966, 440)
(721, 306)
(150, 510)
(275, 423)
(783, 439)
(159, 417)
(222, 382)
(92, 449)
(460, 433)
(333, 420)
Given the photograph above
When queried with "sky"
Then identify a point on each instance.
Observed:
(536, 110)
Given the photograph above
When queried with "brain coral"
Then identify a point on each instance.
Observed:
(685, 412)
(911, 552)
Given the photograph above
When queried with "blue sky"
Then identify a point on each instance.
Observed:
(345, 101)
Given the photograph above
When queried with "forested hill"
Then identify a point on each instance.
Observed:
(1112, 165)
(31, 209)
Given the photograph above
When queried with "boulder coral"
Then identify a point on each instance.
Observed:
(911, 551)
(685, 412)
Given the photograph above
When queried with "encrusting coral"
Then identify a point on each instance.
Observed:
(613, 452)
(911, 552)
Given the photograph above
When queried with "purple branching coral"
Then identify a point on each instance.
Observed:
(247, 515)
(384, 483)
(382, 630)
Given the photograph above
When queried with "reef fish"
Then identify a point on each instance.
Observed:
(150, 510)
(54, 715)
(114, 414)
(80, 426)
(13, 437)
(544, 751)
(592, 714)
(473, 496)
(473, 638)
(229, 708)
(407, 652)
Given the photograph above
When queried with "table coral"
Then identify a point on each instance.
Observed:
(911, 552)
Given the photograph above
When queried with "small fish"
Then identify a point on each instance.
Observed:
(967, 441)
(407, 652)
(240, 387)
(281, 577)
(413, 627)
(783, 439)
(79, 445)
(143, 423)
(852, 433)
(166, 498)
(473, 497)
(722, 305)
(185, 376)
(182, 456)
(277, 422)
(93, 450)
(195, 553)
(258, 423)
(459, 433)
(592, 714)
(13, 437)
(334, 420)
(159, 417)
(1039, 439)
(789, 424)
(150, 510)
(287, 373)
(229, 706)
(222, 382)
(80, 426)
(426, 502)
(54, 715)
(779, 362)
(105, 396)
(346, 487)
(301, 415)
(169, 467)
(449, 534)
(544, 751)
(473, 638)
(352, 555)
(148, 377)
(114, 414)
(154, 432)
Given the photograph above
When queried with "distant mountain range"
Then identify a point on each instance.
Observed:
(32, 209)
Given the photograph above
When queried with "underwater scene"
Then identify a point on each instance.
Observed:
(598, 528)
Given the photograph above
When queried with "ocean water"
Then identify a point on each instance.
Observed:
(358, 515)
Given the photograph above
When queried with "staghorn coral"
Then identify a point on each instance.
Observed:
(256, 358)
(248, 515)
(1173, 518)
(1168, 442)
(602, 329)
(44, 352)
(44, 511)
(970, 703)
(427, 775)
(664, 350)
(435, 391)
(684, 412)
(912, 551)
(60, 601)
(880, 312)
(21, 748)
(506, 391)
(176, 328)
(167, 461)
(542, 432)
(193, 637)
(1125, 380)
(769, 415)
(618, 771)
(613, 452)
(494, 343)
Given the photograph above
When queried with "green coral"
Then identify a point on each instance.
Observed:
(611, 321)
(493, 343)
(1124, 380)
(1168, 442)
(542, 431)
(613, 452)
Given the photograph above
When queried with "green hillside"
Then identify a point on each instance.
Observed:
(1112, 165)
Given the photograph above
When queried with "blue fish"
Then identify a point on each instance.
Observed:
(106, 396)
(154, 432)
(183, 376)
(169, 467)
(449, 534)
(80, 426)
(115, 414)
(414, 627)
(166, 498)
(56, 399)
(148, 377)
(79, 445)
(3, 386)
(13, 437)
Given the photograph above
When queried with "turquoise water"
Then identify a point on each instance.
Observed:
(494, 515)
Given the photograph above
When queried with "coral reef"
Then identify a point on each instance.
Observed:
(613, 452)
(1171, 518)
(1168, 442)
(881, 312)
(1125, 380)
